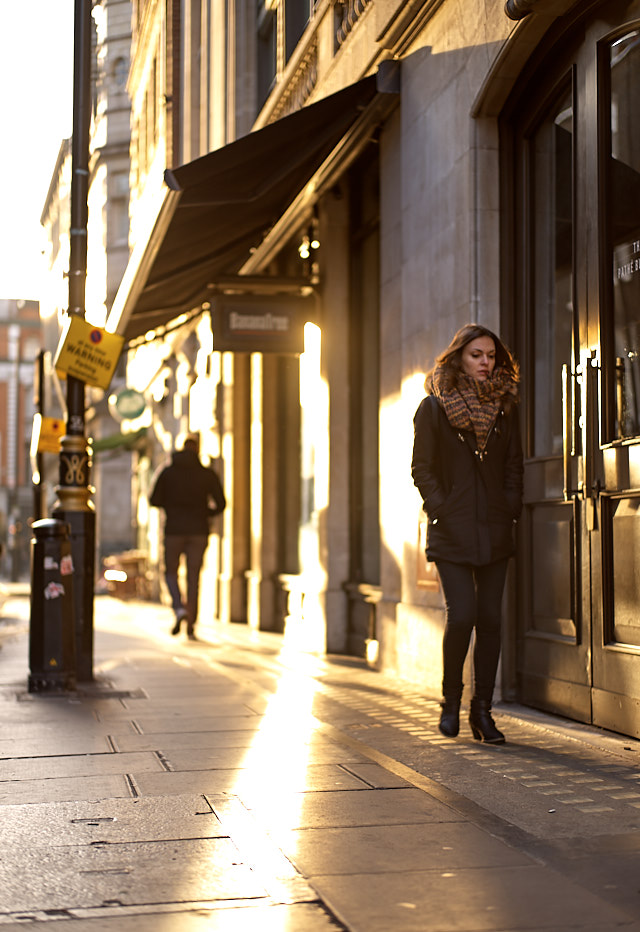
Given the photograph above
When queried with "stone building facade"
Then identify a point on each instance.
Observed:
(484, 167)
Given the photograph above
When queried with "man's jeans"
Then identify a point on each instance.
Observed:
(193, 547)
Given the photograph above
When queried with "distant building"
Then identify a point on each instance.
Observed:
(107, 257)
(20, 344)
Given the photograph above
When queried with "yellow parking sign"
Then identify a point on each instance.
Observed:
(88, 352)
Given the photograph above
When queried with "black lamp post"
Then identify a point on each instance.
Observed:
(74, 491)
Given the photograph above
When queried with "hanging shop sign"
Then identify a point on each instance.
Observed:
(127, 405)
(260, 323)
(87, 352)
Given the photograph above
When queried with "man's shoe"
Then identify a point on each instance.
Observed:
(181, 616)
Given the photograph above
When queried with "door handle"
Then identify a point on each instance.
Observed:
(590, 366)
(568, 433)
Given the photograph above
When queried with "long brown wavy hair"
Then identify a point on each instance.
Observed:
(449, 362)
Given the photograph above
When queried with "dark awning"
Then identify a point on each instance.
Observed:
(215, 210)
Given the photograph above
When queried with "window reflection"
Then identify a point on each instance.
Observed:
(552, 239)
(624, 213)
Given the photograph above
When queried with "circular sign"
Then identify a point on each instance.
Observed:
(129, 404)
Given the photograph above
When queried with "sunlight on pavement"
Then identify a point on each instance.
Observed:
(278, 759)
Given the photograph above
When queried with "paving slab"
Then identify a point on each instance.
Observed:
(218, 917)
(131, 873)
(176, 741)
(172, 714)
(351, 808)
(108, 821)
(395, 849)
(199, 687)
(50, 711)
(78, 765)
(55, 746)
(247, 784)
(376, 776)
(151, 724)
(15, 792)
(513, 899)
(36, 730)
(263, 756)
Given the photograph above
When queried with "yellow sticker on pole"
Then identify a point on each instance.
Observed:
(49, 431)
(88, 352)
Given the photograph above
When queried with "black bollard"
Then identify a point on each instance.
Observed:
(51, 630)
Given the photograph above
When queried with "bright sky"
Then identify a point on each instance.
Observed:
(36, 114)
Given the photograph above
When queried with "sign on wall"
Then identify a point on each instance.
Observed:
(260, 323)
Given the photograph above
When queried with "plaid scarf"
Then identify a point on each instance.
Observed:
(474, 404)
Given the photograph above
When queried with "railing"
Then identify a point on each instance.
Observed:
(301, 84)
(352, 10)
(296, 84)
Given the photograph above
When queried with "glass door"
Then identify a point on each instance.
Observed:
(554, 637)
(576, 308)
(616, 590)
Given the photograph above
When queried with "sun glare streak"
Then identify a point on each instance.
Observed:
(314, 404)
(276, 765)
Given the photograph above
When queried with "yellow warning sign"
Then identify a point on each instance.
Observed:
(88, 353)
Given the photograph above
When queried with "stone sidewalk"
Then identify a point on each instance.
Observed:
(233, 783)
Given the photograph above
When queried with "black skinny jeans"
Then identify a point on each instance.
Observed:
(473, 598)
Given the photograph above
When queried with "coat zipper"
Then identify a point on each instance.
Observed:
(481, 453)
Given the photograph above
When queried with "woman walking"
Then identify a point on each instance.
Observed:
(467, 465)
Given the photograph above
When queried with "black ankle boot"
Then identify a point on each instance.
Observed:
(482, 724)
(450, 717)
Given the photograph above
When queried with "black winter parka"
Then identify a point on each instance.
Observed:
(472, 501)
(185, 490)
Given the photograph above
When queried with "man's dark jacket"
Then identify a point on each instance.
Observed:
(184, 490)
(471, 501)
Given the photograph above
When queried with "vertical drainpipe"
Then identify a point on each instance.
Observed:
(13, 438)
(74, 491)
(475, 223)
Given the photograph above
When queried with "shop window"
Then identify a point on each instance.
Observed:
(623, 191)
(296, 14)
(119, 209)
(267, 49)
(120, 71)
(551, 185)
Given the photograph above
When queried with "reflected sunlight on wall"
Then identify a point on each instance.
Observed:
(314, 402)
(398, 512)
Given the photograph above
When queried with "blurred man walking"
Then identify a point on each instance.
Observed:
(190, 494)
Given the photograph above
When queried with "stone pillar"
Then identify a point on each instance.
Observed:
(236, 453)
(261, 576)
(333, 527)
